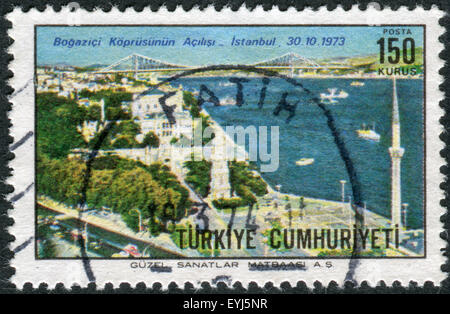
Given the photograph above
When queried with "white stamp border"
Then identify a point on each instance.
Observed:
(70, 272)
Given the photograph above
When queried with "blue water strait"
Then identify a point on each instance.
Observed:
(308, 136)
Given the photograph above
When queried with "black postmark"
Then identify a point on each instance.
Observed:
(206, 95)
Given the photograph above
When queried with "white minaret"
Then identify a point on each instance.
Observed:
(396, 152)
(103, 113)
(220, 178)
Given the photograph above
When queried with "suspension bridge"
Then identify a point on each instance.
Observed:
(136, 63)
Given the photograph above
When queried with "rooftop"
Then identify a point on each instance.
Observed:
(155, 91)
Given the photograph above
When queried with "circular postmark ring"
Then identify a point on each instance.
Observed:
(357, 206)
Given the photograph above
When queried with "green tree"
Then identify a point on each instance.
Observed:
(127, 128)
(57, 121)
(173, 140)
(246, 194)
(73, 182)
(199, 175)
(228, 203)
(102, 139)
(191, 104)
(245, 182)
(124, 142)
(150, 140)
(119, 135)
(47, 249)
(99, 188)
(206, 122)
(131, 220)
(113, 102)
(118, 78)
(94, 113)
(116, 183)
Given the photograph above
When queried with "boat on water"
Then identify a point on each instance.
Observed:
(227, 101)
(55, 225)
(368, 134)
(332, 94)
(342, 94)
(304, 161)
(95, 245)
(328, 100)
(357, 83)
(226, 84)
(121, 254)
(132, 250)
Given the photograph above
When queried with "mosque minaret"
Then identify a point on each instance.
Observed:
(396, 152)
(220, 178)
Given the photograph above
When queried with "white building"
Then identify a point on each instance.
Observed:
(160, 125)
(152, 117)
(149, 103)
(144, 155)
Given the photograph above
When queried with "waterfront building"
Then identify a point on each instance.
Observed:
(152, 117)
(149, 103)
(160, 125)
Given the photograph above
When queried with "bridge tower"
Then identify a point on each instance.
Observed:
(396, 152)
(135, 62)
(291, 63)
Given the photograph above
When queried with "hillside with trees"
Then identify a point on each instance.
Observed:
(57, 119)
(199, 176)
(113, 102)
(245, 184)
(111, 182)
(119, 184)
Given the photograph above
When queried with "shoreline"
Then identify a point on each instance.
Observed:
(355, 77)
(272, 191)
(99, 223)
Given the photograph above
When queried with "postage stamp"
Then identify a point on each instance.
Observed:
(226, 146)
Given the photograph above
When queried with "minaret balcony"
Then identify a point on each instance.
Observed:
(396, 152)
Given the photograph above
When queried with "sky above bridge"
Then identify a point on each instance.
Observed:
(359, 41)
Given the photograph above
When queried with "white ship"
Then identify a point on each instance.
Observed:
(132, 250)
(304, 161)
(227, 101)
(357, 83)
(226, 84)
(342, 94)
(368, 134)
(332, 95)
